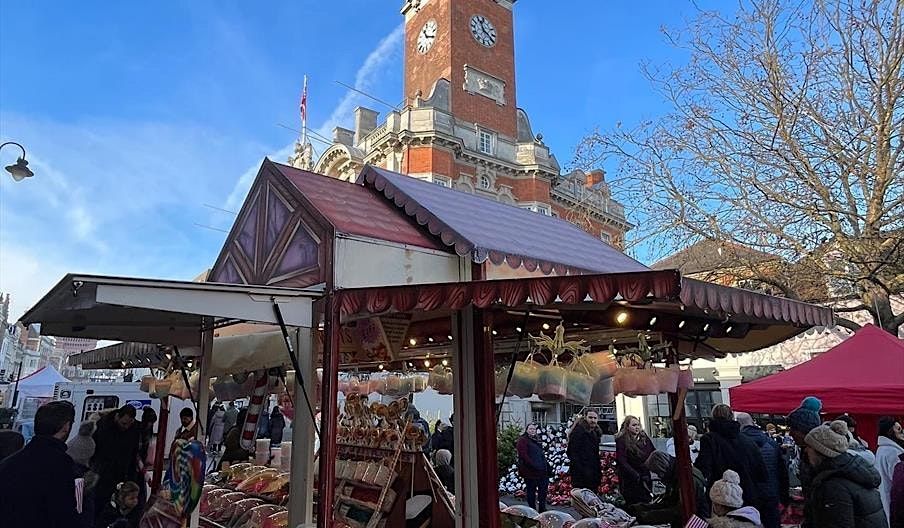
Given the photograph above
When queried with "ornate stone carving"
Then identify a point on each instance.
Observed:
(478, 82)
(303, 157)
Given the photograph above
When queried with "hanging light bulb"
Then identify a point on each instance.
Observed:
(449, 337)
(706, 327)
(445, 362)
(518, 329)
(652, 320)
(380, 366)
(622, 317)
(681, 324)
(413, 341)
(430, 339)
(545, 326)
(728, 329)
(495, 332)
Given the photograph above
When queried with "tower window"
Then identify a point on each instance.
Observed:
(485, 142)
(485, 183)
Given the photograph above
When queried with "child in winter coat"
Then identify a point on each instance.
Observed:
(728, 504)
(122, 511)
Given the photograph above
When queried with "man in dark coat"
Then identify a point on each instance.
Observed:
(584, 453)
(444, 439)
(37, 484)
(533, 468)
(775, 489)
(844, 488)
(723, 447)
(116, 452)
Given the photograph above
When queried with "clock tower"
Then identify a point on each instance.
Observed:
(460, 125)
(471, 44)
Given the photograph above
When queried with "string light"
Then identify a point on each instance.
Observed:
(545, 326)
(518, 329)
(728, 329)
(652, 320)
(430, 339)
(450, 337)
(706, 327)
(380, 366)
(622, 317)
(445, 362)
(427, 363)
(495, 332)
(681, 324)
(413, 341)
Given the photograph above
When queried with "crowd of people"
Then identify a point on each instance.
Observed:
(100, 477)
(742, 474)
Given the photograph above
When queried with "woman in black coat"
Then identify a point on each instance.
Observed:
(632, 448)
(844, 489)
(533, 468)
(584, 453)
(724, 447)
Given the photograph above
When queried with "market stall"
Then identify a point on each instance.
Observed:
(862, 376)
(177, 314)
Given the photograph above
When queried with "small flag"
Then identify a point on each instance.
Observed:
(696, 522)
(303, 106)
(79, 494)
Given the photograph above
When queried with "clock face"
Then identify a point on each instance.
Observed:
(426, 37)
(483, 30)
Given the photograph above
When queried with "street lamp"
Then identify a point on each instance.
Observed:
(19, 170)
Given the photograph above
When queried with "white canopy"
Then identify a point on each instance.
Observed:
(40, 383)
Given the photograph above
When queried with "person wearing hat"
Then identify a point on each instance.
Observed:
(800, 422)
(728, 508)
(843, 489)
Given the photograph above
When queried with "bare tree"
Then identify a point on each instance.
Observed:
(784, 134)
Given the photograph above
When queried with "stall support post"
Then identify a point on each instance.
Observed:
(203, 395)
(682, 449)
(328, 415)
(485, 419)
(465, 425)
(301, 499)
(160, 447)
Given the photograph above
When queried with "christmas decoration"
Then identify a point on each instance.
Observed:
(554, 440)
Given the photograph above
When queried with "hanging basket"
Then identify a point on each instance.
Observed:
(551, 384)
(603, 391)
(667, 379)
(525, 378)
(599, 365)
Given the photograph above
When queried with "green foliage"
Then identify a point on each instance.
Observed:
(507, 455)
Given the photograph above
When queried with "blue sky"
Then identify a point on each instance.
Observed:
(135, 115)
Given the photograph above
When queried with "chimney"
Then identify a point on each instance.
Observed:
(365, 122)
(594, 177)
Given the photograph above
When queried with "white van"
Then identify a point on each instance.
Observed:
(89, 398)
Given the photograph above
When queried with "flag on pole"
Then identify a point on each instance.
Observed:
(303, 109)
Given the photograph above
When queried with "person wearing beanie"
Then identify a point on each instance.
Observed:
(843, 489)
(855, 446)
(81, 448)
(890, 449)
(724, 447)
(803, 419)
(728, 508)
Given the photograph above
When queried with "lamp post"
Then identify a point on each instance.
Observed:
(18, 170)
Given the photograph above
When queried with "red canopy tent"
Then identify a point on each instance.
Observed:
(862, 376)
